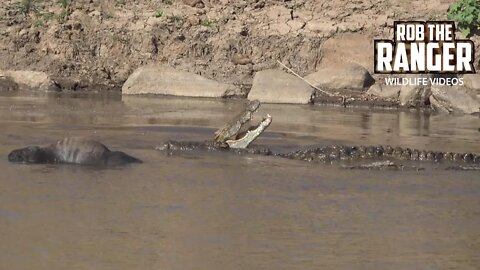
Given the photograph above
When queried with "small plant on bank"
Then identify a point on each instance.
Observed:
(38, 22)
(47, 16)
(28, 6)
(63, 15)
(43, 18)
(64, 3)
(206, 22)
(158, 13)
(175, 18)
(467, 15)
(35, 7)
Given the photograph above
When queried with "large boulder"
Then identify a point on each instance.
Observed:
(414, 95)
(30, 80)
(453, 100)
(348, 76)
(162, 80)
(276, 86)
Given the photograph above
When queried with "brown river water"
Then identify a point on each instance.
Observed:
(224, 211)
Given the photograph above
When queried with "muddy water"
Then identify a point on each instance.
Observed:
(220, 211)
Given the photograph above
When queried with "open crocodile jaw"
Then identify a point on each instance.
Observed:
(251, 135)
(228, 134)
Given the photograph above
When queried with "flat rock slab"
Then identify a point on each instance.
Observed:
(29, 80)
(453, 100)
(162, 80)
(276, 86)
(349, 76)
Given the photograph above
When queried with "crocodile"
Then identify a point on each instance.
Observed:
(235, 134)
(349, 157)
(229, 138)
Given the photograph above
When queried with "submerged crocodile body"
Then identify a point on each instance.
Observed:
(389, 157)
(230, 138)
(350, 157)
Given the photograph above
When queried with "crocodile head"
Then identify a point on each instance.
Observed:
(232, 134)
(246, 138)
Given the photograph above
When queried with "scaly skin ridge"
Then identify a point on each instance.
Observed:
(330, 154)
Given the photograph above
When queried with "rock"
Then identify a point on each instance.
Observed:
(415, 95)
(276, 86)
(30, 80)
(349, 76)
(194, 3)
(472, 81)
(241, 59)
(162, 80)
(384, 91)
(453, 100)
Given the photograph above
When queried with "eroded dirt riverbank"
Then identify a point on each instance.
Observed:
(102, 42)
